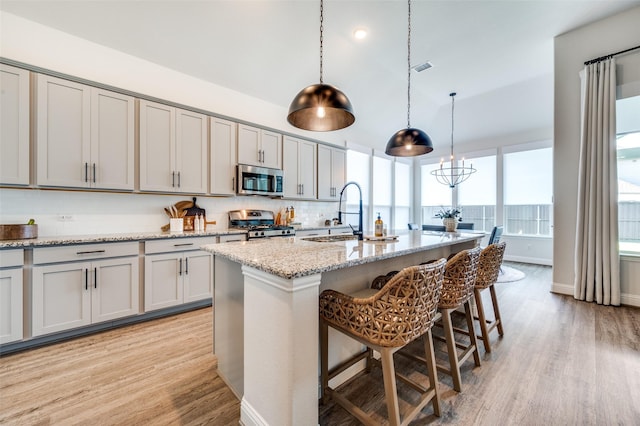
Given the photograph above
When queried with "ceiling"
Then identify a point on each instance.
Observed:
(497, 55)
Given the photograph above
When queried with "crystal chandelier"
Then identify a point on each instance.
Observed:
(454, 174)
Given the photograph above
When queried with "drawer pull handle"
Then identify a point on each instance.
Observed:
(183, 244)
(90, 252)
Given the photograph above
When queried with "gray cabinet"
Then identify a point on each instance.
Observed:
(331, 172)
(259, 147)
(14, 125)
(173, 149)
(85, 136)
(11, 304)
(224, 143)
(299, 162)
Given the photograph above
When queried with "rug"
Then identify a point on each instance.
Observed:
(510, 274)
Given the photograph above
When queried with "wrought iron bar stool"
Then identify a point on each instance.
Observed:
(488, 270)
(402, 311)
(457, 291)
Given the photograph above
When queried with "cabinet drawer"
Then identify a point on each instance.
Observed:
(9, 258)
(177, 244)
(83, 252)
(231, 238)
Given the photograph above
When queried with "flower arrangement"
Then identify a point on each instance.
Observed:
(453, 213)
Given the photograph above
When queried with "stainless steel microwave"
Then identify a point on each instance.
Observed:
(254, 180)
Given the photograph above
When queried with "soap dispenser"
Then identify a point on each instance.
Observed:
(378, 226)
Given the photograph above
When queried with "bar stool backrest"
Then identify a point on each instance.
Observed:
(459, 278)
(489, 264)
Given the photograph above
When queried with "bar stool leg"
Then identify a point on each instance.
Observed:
(496, 310)
(324, 361)
(483, 321)
(472, 332)
(391, 393)
(447, 328)
(429, 352)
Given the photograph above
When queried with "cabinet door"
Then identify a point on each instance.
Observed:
(157, 147)
(249, 148)
(271, 145)
(191, 152)
(198, 276)
(10, 305)
(112, 140)
(61, 297)
(325, 188)
(163, 284)
(224, 142)
(14, 125)
(307, 169)
(290, 165)
(63, 144)
(115, 291)
(338, 170)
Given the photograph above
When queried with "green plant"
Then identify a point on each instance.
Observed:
(453, 213)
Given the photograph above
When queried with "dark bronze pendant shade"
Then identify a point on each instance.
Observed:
(320, 108)
(409, 142)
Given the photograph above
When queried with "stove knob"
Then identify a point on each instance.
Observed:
(262, 233)
(283, 232)
(288, 231)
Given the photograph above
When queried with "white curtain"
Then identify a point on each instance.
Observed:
(597, 264)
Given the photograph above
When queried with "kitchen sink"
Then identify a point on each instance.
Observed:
(332, 238)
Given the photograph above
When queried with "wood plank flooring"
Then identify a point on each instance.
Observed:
(560, 362)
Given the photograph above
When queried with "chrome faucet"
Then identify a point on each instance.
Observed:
(359, 232)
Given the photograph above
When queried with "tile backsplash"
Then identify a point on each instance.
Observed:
(59, 212)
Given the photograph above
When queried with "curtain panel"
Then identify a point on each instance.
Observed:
(597, 258)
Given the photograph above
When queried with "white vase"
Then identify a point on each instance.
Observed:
(450, 224)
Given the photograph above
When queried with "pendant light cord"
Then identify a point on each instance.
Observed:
(453, 100)
(321, 39)
(409, 67)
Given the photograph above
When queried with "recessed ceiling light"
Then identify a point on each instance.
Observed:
(360, 33)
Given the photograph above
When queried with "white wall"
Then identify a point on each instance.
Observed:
(571, 51)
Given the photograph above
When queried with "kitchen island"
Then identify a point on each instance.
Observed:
(266, 312)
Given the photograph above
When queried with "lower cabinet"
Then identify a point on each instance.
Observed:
(69, 294)
(176, 271)
(11, 262)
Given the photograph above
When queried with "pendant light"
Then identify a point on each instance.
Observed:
(409, 142)
(321, 107)
(453, 174)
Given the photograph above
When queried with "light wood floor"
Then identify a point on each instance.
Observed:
(561, 362)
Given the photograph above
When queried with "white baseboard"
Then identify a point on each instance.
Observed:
(625, 298)
(525, 259)
(249, 416)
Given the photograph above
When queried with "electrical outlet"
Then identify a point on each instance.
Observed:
(65, 218)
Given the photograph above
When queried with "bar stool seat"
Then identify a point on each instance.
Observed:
(488, 270)
(400, 312)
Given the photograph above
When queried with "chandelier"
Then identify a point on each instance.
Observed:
(454, 174)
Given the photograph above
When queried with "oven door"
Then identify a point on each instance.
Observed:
(254, 180)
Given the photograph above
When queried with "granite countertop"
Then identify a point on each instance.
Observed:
(296, 257)
(110, 238)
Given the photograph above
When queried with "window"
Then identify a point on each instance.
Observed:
(358, 170)
(477, 195)
(528, 192)
(434, 195)
(382, 184)
(628, 144)
(403, 191)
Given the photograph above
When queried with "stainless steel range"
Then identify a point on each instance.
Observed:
(258, 224)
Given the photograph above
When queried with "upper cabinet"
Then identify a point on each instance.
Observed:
(14, 125)
(224, 142)
(300, 168)
(85, 136)
(331, 172)
(259, 147)
(173, 149)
